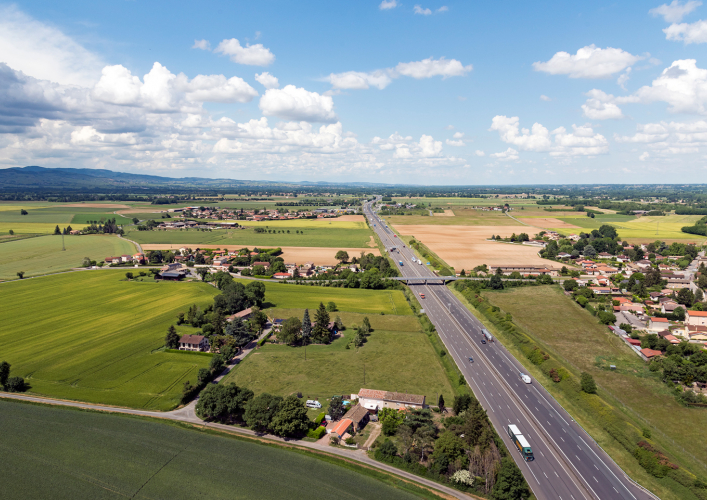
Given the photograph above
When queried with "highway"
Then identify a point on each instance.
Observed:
(568, 464)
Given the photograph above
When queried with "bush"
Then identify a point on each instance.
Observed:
(588, 384)
(319, 418)
(15, 384)
(582, 301)
(316, 433)
(386, 451)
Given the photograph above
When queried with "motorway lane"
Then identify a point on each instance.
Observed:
(568, 463)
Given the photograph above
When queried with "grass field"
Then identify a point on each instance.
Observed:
(347, 299)
(462, 217)
(398, 356)
(79, 221)
(90, 336)
(312, 237)
(44, 254)
(59, 453)
(640, 229)
(582, 344)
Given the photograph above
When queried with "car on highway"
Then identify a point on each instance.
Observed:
(471, 360)
(422, 295)
(483, 340)
(525, 378)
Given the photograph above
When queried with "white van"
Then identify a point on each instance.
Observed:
(313, 404)
(525, 378)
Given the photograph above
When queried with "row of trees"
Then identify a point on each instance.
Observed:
(301, 332)
(65, 231)
(11, 384)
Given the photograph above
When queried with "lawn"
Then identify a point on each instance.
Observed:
(52, 452)
(577, 339)
(93, 337)
(311, 237)
(44, 254)
(393, 360)
(347, 299)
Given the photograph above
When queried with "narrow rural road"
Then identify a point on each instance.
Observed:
(188, 415)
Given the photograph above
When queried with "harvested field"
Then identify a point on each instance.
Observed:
(351, 218)
(95, 205)
(298, 255)
(464, 247)
(548, 223)
(447, 213)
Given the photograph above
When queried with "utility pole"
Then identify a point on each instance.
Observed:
(63, 248)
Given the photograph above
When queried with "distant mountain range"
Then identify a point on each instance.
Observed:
(77, 179)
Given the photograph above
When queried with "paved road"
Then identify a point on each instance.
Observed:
(568, 463)
(187, 414)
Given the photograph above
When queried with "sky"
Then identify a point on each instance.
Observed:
(431, 93)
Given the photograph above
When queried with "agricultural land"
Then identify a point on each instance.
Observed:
(92, 336)
(61, 453)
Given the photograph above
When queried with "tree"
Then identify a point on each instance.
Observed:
(290, 331)
(321, 333)
(217, 365)
(339, 324)
(686, 297)
(461, 403)
(306, 326)
(510, 484)
(450, 445)
(11, 232)
(172, 338)
(569, 285)
(386, 451)
(291, 418)
(390, 427)
(223, 402)
(589, 251)
(679, 314)
(331, 307)
(496, 283)
(239, 332)
(4, 372)
(86, 262)
(588, 384)
(136, 220)
(336, 408)
(129, 275)
(21, 274)
(257, 320)
(255, 293)
(342, 256)
(23, 211)
(440, 404)
(16, 384)
(260, 411)
(57, 230)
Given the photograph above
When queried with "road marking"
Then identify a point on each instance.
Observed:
(595, 479)
(545, 475)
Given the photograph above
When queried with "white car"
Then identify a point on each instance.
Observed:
(313, 404)
(525, 378)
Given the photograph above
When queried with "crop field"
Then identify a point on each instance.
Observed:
(585, 345)
(465, 247)
(81, 220)
(53, 452)
(347, 299)
(312, 237)
(30, 227)
(640, 229)
(465, 202)
(44, 254)
(462, 217)
(321, 256)
(395, 360)
(91, 336)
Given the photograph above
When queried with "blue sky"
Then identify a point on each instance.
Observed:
(429, 93)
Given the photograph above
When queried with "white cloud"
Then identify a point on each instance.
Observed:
(644, 156)
(509, 154)
(201, 44)
(267, 80)
(216, 88)
(688, 33)
(582, 140)
(388, 4)
(588, 62)
(294, 103)
(253, 55)
(600, 106)
(454, 143)
(478, 152)
(427, 68)
(404, 147)
(682, 85)
(669, 138)
(449, 127)
(419, 10)
(429, 147)
(674, 12)
(461, 98)
(623, 78)
(458, 135)
(359, 80)
(545, 98)
(44, 52)
(443, 8)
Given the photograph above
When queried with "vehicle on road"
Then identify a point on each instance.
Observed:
(471, 360)
(422, 295)
(483, 340)
(487, 334)
(525, 378)
(395, 236)
(400, 262)
(521, 443)
(313, 404)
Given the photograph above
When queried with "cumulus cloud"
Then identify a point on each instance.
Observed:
(423, 12)
(427, 68)
(405, 148)
(509, 154)
(644, 156)
(458, 135)
(360, 80)
(582, 141)
(588, 62)
(669, 138)
(600, 106)
(44, 52)
(674, 12)
(253, 55)
(267, 80)
(479, 152)
(388, 4)
(687, 33)
(682, 85)
(201, 44)
(295, 103)
(623, 78)
(451, 142)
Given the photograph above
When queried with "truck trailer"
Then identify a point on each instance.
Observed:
(521, 443)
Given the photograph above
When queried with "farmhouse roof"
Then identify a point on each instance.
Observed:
(697, 313)
(341, 427)
(191, 339)
(400, 397)
(650, 353)
(371, 394)
(357, 413)
(659, 320)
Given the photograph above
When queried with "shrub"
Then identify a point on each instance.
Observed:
(319, 418)
(386, 451)
(588, 384)
(15, 384)
(316, 433)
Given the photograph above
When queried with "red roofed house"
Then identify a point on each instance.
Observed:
(373, 400)
(658, 324)
(342, 428)
(244, 315)
(650, 353)
(193, 343)
(636, 342)
(696, 318)
(282, 276)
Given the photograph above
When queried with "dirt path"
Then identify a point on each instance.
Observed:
(375, 432)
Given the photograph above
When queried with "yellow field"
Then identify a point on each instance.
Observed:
(29, 227)
(647, 229)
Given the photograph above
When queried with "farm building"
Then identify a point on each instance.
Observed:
(193, 343)
(374, 400)
(342, 428)
(359, 416)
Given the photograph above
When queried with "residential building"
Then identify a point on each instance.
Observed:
(342, 428)
(359, 416)
(696, 318)
(373, 400)
(193, 343)
(658, 324)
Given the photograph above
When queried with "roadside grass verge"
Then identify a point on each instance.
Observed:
(630, 399)
(63, 450)
(92, 336)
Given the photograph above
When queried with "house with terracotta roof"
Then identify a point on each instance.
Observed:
(373, 400)
(658, 324)
(650, 353)
(696, 318)
(359, 416)
(341, 428)
(193, 343)
(244, 315)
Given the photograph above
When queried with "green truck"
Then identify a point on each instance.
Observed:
(521, 443)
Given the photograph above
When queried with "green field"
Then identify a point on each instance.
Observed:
(81, 220)
(462, 217)
(59, 453)
(44, 254)
(347, 299)
(91, 336)
(639, 229)
(582, 344)
(398, 356)
(312, 237)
